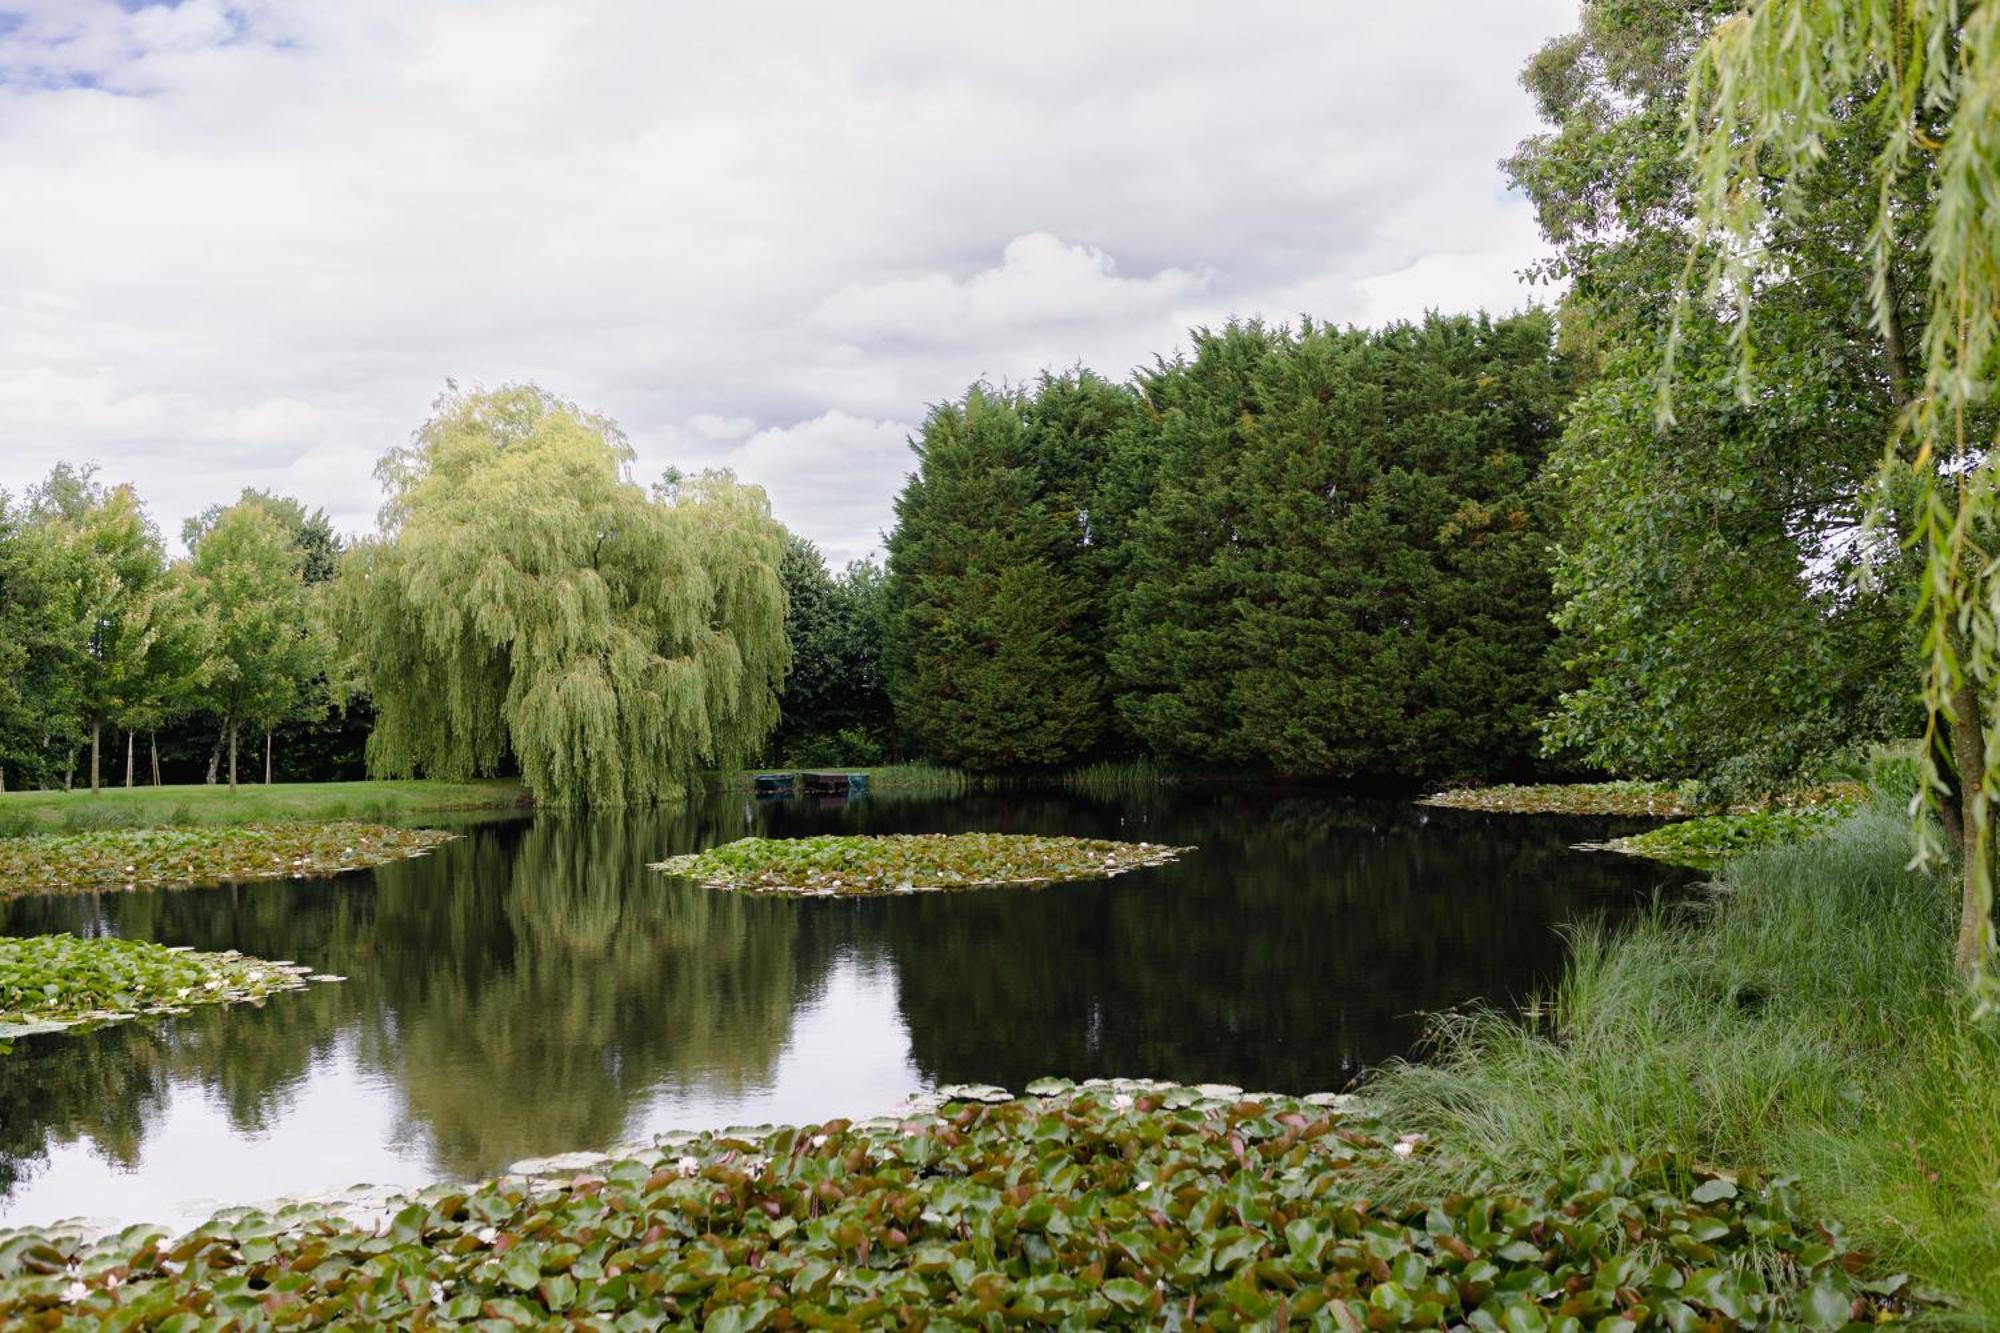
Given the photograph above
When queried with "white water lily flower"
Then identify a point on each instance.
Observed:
(1121, 1101)
(75, 1292)
(486, 1235)
(687, 1166)
(819, 1140)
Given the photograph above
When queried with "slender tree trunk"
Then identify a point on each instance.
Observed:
(232, 755)
(69, 771)
(1968, 752)
(3, 777)
(1893, 346)
(153, 744)
(267, 756)
(215, 752)
(129, 737)
(96, 735)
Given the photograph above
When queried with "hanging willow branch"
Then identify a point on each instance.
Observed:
(1773, 86)
(526, 597)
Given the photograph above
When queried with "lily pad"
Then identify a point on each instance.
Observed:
(908, 863)
(119, 859)
(51, 982)
(1077, 1210)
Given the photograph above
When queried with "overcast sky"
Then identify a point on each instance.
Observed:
(246, 244)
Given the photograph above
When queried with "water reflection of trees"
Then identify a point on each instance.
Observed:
(1295, 947)
(525, 988)
(522, 988)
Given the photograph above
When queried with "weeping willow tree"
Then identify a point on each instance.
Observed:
(525, 597)
(1770, 93)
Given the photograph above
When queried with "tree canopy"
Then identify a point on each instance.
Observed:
(525, 597)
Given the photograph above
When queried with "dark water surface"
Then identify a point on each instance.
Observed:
(532, 988)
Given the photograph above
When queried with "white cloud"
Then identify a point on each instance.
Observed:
(246, 241)
(1040, 281)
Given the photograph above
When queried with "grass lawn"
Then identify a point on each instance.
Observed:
(23, 812)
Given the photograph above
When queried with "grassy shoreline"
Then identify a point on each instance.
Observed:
(24, 812)
(1802, 1020)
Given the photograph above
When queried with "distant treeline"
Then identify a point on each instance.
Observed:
(1310, 551)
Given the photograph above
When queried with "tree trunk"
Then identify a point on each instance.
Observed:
(129, 735)
(267, 756)
(153, 744)
(232, 755)
(69, 771)
(215, 752)
(1975, 906)
(96, 735)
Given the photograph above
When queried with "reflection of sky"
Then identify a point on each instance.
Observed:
(848, 1053)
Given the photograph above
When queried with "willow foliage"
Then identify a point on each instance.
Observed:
(526, 597)
(1767, 98)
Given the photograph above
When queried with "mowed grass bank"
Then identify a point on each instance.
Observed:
(25, 812)
(1802, 1019)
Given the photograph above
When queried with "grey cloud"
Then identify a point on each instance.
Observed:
(261, 235)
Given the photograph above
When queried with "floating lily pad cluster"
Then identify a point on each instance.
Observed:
(175, 856)
(1127, 1205)
(1713, 839)
(57, 981)
(907, 863)
(1573, 798)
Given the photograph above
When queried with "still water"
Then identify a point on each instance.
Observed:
(532, 988)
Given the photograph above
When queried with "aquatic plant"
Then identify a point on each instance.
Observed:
(1801, 1019)
(58, 981)
(1572, 798)
(1109, 1204)
(134, 858)
(910, 862)
(1709, 840)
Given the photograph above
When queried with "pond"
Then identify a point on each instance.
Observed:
(532, 988)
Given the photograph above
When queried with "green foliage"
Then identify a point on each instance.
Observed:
(310, 530)
(834, 709)
(1709, 840)
(1573, 798)
(1807, 113)
(1108, 1205)
(269, 657)
(1342, 564)
(1800, 1019)
(996, 600)
(60, 981)
(1707, 569)
(910, 862)
(199, 855)
(38, 667)
(525, 598)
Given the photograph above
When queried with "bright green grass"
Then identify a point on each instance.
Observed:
(252, 803)
(1802, 1019)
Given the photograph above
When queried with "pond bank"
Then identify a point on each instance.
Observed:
(1107, 1203)
(1801, 1020)
(25, 812)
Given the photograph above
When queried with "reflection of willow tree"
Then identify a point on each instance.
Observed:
(108, 1085)
(535, 1017)
(1298, 945)
(524, 987)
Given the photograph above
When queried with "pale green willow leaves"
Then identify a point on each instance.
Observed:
(526, 597)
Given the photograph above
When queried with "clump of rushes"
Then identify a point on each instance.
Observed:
(140, 858)
(1110, 1205)
(57, 981)
(1712, 839)
(910, 862)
